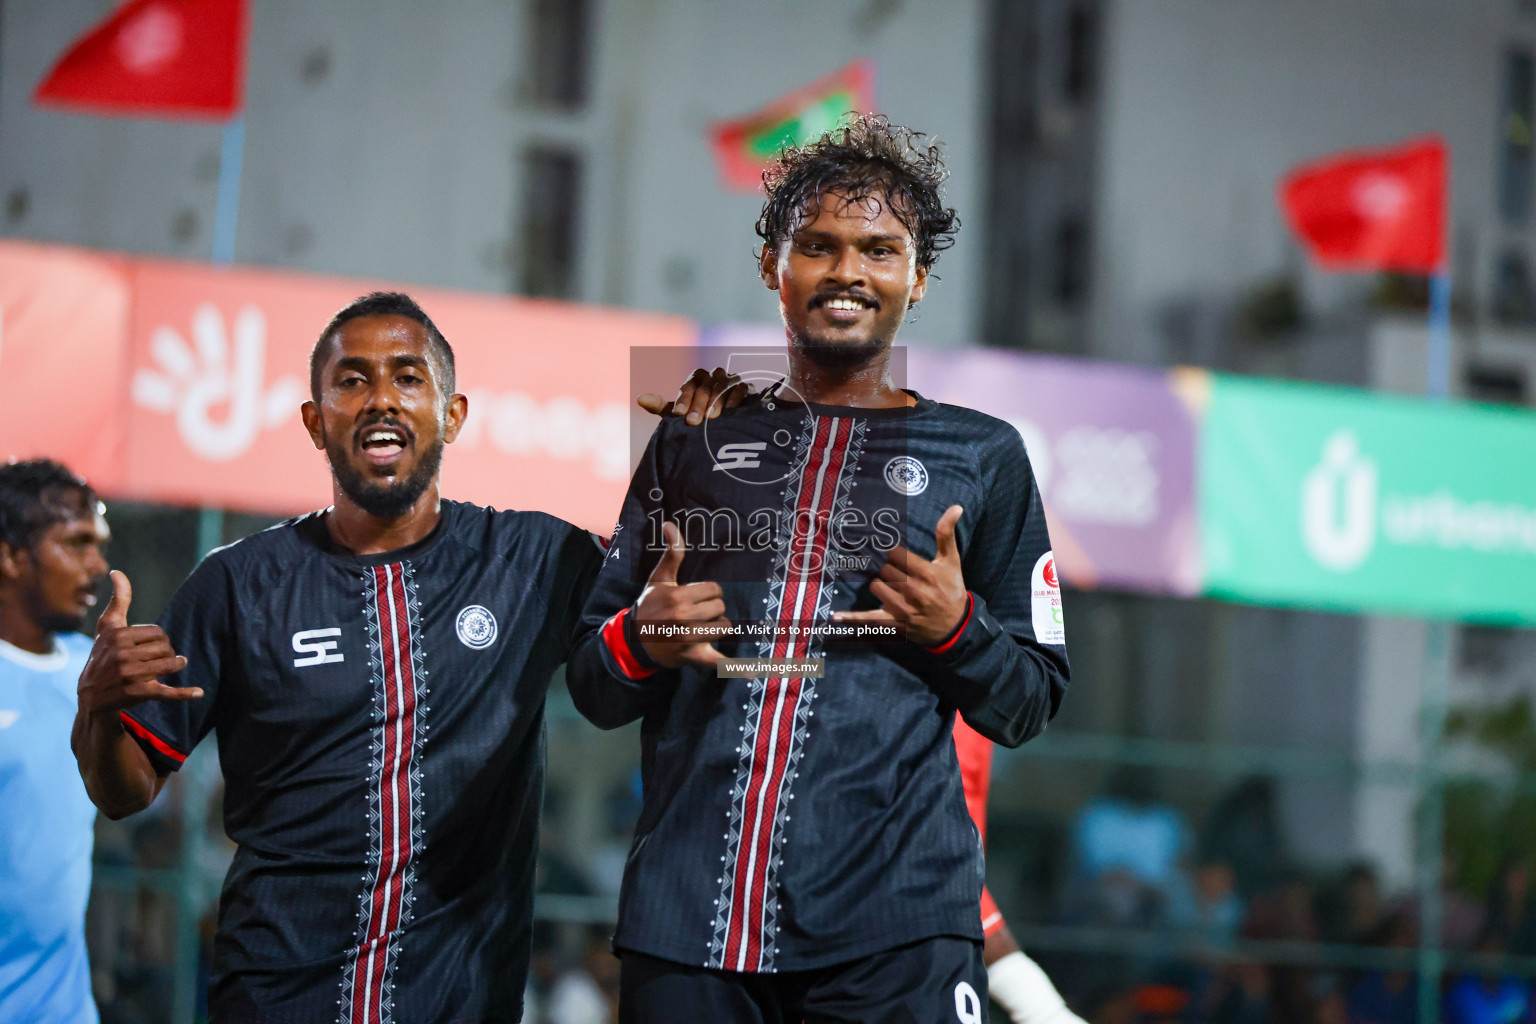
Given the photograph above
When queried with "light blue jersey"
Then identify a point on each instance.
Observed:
(46, 830)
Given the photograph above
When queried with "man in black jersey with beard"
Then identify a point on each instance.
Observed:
(804, 851)
(375, 673)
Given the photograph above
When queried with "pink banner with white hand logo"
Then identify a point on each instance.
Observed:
(181, 384)
(63, 320)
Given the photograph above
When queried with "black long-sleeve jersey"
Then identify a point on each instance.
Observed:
(794, 822)
(380, 723)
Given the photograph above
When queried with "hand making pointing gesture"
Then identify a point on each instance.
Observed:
(698, 606)
(126, 662)
(929, 598)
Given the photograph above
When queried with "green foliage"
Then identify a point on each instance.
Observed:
(1408, 293)
(1486, 823)
(1509, 731)
(1271, 310)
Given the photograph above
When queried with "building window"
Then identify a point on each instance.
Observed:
(1516, 142)
(547, 248)
(1513, 303)
(1502, 384)
(1070, 286)
(1487, 650)
(559, 53)
(1078, 80)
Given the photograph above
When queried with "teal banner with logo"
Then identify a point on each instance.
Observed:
(1335, 498)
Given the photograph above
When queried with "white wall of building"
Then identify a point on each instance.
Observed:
(1207, 103)
(690, 244)
(384, 139)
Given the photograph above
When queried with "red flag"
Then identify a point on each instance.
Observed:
(1374, 210)
(156, 58)
(744, 148)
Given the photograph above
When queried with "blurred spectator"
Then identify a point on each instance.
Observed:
(1462, 915)
(587, 993)
(1240, 995)
(1511, 912)
(543, 969)
(1209, 908)
(51, 536)
(1387, 997)
(1243, 830)
(1332, 1008)
(1351, 911)
(1489, 998)
(1129, 850)
(1286, 913)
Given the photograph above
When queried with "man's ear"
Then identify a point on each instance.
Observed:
(453, 420)
(10, 561)
(309, 412)
(919, 287)
(768, 266)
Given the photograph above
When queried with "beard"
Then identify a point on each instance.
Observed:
(390, 497)
(836, 355)
(61, 622)
(47, 615)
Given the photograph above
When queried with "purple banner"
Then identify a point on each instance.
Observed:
(1113, 449)
(1112, 446)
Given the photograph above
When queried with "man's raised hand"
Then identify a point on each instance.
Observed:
(929, 598)
(700, 607)
(126, 662)
(704, 395)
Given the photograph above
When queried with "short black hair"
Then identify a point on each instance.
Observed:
(865, 159)
(382, 304)
(37, 494)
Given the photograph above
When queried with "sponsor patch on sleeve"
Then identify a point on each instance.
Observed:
(1045, 602)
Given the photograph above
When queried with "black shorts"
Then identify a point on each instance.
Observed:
(928, 982)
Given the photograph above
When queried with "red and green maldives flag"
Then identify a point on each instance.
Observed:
(745, 147)
(1372, 209)
(155, 58)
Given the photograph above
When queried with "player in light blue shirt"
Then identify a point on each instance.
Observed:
(51, 563)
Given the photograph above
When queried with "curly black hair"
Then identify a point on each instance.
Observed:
(36, 494)
(866, 160)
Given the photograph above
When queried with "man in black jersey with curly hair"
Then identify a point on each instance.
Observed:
(375, 673)
(804, 851)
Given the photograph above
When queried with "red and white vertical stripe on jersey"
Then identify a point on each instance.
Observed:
(394, 847)
(746, 935)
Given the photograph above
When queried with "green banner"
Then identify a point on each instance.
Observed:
(1343, 499)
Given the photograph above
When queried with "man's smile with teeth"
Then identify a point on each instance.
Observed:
(382, 441)
(851, 303)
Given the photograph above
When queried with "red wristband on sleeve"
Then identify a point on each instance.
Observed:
(618, 646)
(970, 606)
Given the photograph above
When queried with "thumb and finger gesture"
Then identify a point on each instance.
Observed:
(126, 662)
(697, 608)
(115, 614)
(926, 596)
(703, 395)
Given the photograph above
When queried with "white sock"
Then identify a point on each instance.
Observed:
(1021, 988)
